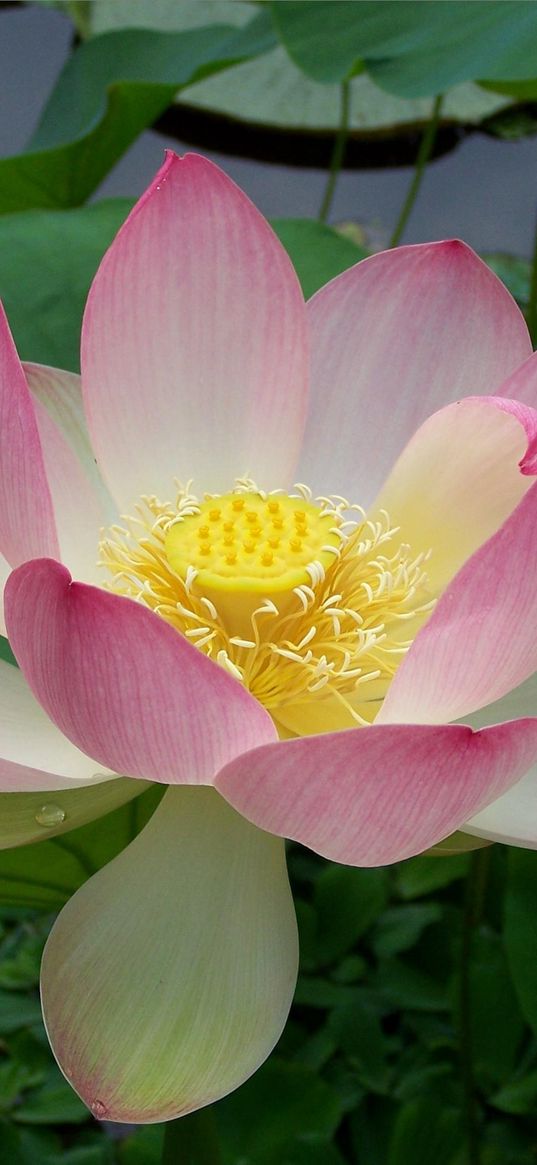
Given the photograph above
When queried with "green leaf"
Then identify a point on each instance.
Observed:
(426, 1131)
(17, 1011)
(64, 248)
(282, 1104)
(411, 49)
(424, 875)
(519, 1096)
(400, 927)
(143, 1147)
(271, 92)
(358, 1032)
(318, 252)
(497, 1022)
(404, 986)
(45, 875)
(521, 928)
(347, 902)
(54, 1103)
(6, 653)
(110, 90)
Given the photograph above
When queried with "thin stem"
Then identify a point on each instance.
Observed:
(192, 1140)
(531, 310)
(338, 154)
(424, 153)
(473, 906)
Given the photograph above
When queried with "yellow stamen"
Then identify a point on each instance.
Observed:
(318, 617)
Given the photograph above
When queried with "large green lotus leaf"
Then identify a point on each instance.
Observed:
(109, 91)
(411, 49)
(272, 90)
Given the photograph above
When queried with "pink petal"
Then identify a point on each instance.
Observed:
(34, 754)
(522, 384)
(81, 505)
(122, 684)
(26, 514)
(511, 818)
(481, 639)
(194, 342)
(460, 476)
(376, 795)
(5, 571)
(167, 979)
(394, 339)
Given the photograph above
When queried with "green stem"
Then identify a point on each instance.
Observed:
(473, 906)
(338, 154)
(531, 310)
(424, 153)
(192, 1140)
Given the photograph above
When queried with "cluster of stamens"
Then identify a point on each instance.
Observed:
(300, 600)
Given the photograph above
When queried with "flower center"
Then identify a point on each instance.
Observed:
(309, 603)
(254, 543)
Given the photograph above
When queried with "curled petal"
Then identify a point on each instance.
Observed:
(167, 979)
(460, 476)
(481, 639)
(122, 684)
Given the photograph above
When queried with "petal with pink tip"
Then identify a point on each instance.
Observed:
(168, 977)
(459, 478)
(512, 818)
(395, 338)
(194, 342)
(122, 684)
(82, 506)
(481, 639)
(27, 526)
(376, 795)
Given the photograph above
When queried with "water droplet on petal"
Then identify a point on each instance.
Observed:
(50, 815)
(99, 1109)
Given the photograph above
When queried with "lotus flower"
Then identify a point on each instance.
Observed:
(292, 660)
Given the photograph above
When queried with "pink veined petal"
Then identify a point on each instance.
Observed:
(511, 818)
(395, 338)
(481, 639)
(122, 684)
(5, 571)
(168, 977)
(82, 505)
(460, 476)
(522, 384)
(376, 795)
(33, 753)
(194, 342)
(27, 526)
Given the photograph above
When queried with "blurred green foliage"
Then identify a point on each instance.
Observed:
(368, 1071)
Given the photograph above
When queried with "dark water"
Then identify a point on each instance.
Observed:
(485, 191)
